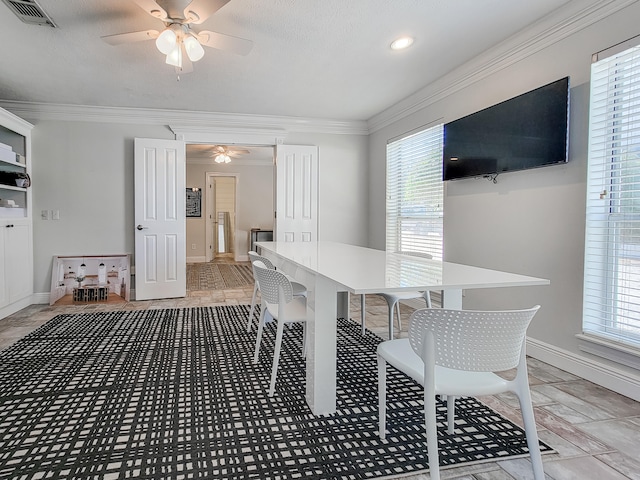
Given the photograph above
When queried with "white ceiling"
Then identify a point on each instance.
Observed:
(311, 58)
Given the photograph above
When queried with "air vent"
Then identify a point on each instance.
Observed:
(29, 12)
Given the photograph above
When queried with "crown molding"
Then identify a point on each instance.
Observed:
(186, 118)
(562, 23)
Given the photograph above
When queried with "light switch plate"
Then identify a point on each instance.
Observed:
(44, 214)
(55, 214)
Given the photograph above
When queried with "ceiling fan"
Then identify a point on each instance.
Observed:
(178, 40)
(223, 153)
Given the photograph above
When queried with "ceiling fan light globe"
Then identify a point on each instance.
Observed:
(174, 57)
(194, 50)
(166, 41)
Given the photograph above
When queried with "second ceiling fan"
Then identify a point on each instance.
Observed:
(224, 154)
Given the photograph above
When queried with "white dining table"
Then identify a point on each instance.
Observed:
(332, 270)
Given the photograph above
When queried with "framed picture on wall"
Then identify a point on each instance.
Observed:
(194, 202)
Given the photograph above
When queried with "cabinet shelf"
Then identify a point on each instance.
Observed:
(12, 212)
(11, 187)
(9, 162)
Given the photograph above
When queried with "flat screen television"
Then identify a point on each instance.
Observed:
(527, 131)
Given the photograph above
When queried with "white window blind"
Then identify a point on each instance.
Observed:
(414, 193)
(612, 247)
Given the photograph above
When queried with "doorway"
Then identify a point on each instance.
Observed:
(221, 206)
(224, 228)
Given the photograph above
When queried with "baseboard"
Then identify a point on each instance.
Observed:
(15, 306)
(620, 381)
(40, 298)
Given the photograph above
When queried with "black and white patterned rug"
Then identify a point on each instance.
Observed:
(174, 394)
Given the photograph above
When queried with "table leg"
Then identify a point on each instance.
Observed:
(322, 314)
(343, 305)
(322, 353)
(362, 313)
(452, 299)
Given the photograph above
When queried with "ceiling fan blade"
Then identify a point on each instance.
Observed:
(238, 151)
(130, 37)
(152, 8)
(199, 10)
(224, 42)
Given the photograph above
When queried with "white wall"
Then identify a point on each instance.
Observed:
(84, 169)
(530, 222)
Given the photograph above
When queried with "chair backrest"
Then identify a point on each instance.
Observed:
(270, 282)
(254, 256)
(471, 340)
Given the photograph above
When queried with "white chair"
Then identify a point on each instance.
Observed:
(298, 288)
(393, 299)
(277, 294)
(455, 353)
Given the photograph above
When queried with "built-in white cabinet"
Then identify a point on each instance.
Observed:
(15, 243)
(16, 238)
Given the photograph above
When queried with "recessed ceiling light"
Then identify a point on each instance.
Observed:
(401, 43)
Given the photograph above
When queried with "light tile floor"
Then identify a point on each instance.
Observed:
(595, 432)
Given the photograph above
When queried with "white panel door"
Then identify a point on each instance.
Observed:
(160, 218)
(296, 193)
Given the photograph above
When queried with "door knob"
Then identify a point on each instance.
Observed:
(140, 227)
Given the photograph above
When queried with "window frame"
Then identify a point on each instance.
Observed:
(611, 303)
(415, 192)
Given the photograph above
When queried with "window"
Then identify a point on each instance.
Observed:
(612, 247)
(414, 193)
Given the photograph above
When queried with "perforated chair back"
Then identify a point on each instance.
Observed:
(270, 281)
(472, 341)
(254, 257)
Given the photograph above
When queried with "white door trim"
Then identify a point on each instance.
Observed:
(210, 210)
(229, 136)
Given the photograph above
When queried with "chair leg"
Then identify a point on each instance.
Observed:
(304, 339)
(253, 306)
(399, 316)
(259, 336)
(382, 397)
(362, 313)
(451, 414)
(432, 433)
(427, 298)
(276, 357)
(529, 422)
(391, 310)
